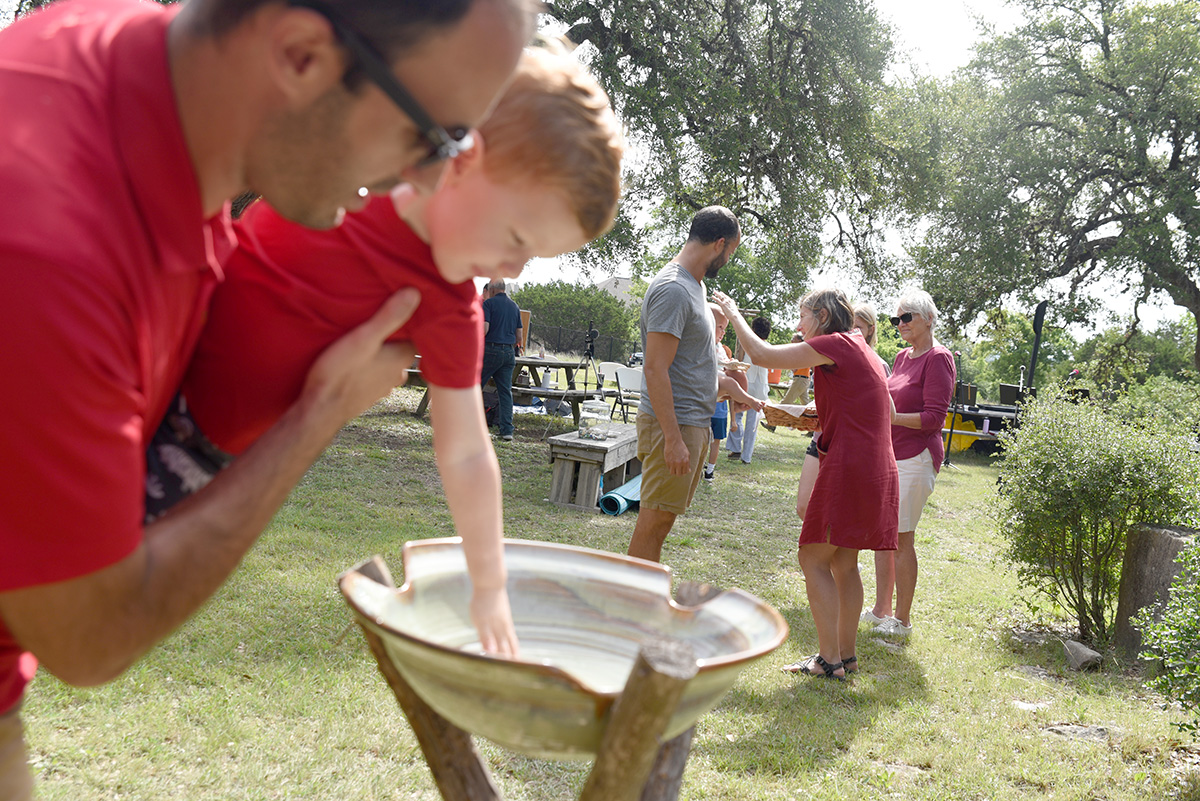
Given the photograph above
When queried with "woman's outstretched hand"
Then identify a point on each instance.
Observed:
(728, 306)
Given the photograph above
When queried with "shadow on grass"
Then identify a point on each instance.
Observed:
(800, 723)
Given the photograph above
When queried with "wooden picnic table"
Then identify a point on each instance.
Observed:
(537, 366)
(580, 463)
(572, 395)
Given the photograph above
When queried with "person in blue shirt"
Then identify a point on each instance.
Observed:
(502, 337)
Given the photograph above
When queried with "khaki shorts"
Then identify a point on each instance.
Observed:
(16, 783)
(660, 489)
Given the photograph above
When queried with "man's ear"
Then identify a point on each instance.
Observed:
(305, 58)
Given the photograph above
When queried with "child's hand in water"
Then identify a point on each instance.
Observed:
(492, 617)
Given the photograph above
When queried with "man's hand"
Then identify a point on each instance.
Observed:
(362, 367)
(89, 629)
(677, 456)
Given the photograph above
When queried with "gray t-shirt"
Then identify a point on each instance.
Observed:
(675, 304)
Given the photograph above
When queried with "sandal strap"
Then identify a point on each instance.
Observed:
(825, 666)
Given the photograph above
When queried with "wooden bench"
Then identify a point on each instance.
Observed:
(579, 464)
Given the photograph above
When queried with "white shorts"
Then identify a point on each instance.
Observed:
(916, 485)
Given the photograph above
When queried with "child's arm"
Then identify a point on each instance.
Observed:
(471, 478)
(729, 388)
(791, 356)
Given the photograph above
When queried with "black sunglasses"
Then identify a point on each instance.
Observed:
(443, 144)
(904, 318)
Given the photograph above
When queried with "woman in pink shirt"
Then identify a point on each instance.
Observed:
(921, 385)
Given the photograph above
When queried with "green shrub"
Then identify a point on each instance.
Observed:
(1174, 640)
(1073, 479)
(1173, 401)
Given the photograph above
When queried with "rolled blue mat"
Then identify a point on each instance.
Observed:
(620, 499)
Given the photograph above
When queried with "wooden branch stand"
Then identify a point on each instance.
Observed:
(632, 763)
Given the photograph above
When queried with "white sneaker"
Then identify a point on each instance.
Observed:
(869, 616)
(892, 627)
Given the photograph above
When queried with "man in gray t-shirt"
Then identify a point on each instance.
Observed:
(679, 378)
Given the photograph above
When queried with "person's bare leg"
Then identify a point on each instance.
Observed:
(808, 477)
(650, 532)
(906, 575)
(714, 451)
(885, 582)
(844, 567)
(823, 602)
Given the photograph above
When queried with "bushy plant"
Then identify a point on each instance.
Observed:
(1174, 640)
(1175, 401)
(1073, 479)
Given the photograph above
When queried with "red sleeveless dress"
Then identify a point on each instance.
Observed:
(857, 495)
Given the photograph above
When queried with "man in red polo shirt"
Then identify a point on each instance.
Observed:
(125, 129)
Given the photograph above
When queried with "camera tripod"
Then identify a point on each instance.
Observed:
(586, 362)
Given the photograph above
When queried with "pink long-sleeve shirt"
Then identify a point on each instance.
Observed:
(924, 384)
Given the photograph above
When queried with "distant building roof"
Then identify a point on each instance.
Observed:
(617, 286)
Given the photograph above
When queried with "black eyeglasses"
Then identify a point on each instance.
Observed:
(443, 144)
(904, 318)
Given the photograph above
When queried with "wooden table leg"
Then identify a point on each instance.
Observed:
(424, 404)
(535, 377)
(637, 720)
(457, 768)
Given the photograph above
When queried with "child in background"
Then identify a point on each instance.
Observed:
(543, 179)
(731, 392)
(742, 438)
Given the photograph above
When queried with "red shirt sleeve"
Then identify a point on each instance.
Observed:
(451, 342)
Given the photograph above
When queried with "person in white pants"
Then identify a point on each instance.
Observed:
(743, 432)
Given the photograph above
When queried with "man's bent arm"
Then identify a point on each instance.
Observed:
(89, 629)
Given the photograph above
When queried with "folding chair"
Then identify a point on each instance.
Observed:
(629, 391)
(608, 372)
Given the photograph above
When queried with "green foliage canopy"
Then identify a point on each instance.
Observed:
(769, 107)
(1118, 357)
(573, 306)
(1005, 344)
(1072, 155)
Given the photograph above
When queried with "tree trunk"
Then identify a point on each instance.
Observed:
(1196, 352)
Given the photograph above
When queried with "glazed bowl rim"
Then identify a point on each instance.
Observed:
(353, 575)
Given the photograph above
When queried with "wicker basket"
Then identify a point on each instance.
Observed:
(783, 416)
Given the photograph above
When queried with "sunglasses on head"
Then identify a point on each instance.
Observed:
(904, 318)
(443, 144)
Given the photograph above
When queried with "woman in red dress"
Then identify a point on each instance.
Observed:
(855, 499)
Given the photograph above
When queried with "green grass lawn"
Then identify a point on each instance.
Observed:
(269, 693)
